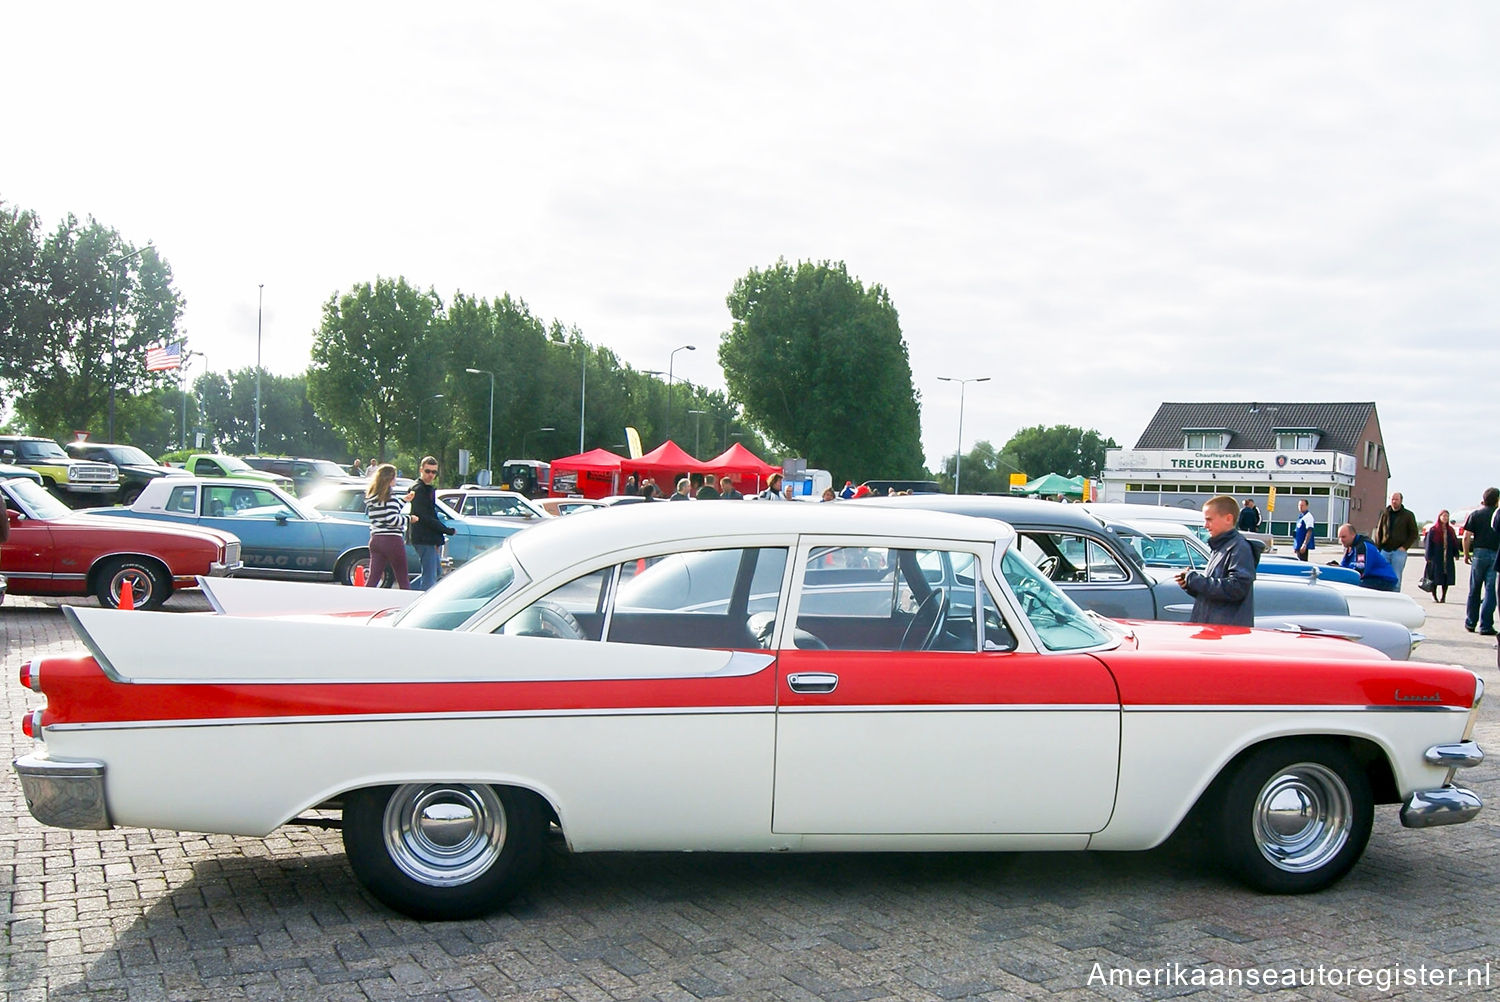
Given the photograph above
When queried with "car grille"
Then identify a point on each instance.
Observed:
(232, 553)
(92, 473)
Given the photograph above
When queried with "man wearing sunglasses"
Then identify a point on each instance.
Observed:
(427, 530)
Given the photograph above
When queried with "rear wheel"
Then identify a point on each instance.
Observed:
(443, 850)
(1295, 816)
(149, 584)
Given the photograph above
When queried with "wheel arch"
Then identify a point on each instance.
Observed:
(546, 800)
(91, 579)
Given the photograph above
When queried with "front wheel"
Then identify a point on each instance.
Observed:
(149, 585)
(1295, 816)
(443, 850)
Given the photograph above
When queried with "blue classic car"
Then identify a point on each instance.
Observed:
(471, 536)
(282, 537)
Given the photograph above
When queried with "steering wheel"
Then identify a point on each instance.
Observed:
(927, 624)
(546, 619)
(1047, 565)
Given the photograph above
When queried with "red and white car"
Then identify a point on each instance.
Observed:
(53, 550)
(738, 678)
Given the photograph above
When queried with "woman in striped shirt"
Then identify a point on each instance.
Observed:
(387, 529)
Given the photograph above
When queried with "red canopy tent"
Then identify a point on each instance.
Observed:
(594, 474)
(748, 471)
(664, 464)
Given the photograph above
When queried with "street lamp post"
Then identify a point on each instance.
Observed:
(696, 415)
(114, 305)
(435, 396)
(583, 397)
(670, 360)
(526, 434)
(958, 456)
(489, 449)
(182, 373)
(260, 301)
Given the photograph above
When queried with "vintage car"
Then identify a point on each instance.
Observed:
(471, 536)
(73, 481)
(755, 678)
(215, 465)
(1163, 545)
(496, 505)
(307, 474)
(136, 468)
(568, 505)
(1102, 573)
(53, 550)
(281, 537)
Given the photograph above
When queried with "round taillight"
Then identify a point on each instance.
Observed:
(28, 726)
(26, 674)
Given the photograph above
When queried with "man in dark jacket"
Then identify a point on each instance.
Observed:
(1395, 533)
(1223, 592)
(427, 530)
(1249, 517)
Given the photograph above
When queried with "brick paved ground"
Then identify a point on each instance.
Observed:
(144, 915)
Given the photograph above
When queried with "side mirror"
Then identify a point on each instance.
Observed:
(281, 518)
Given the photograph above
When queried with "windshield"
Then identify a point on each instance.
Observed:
(324, 468)
(233, 465)
(461, 594)
(129, 455)
(42, 504)
(33, 452)
(1060, 624)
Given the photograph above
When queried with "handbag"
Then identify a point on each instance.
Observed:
(1426, 584)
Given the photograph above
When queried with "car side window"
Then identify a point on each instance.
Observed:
(243, 502)
(858, 598)
(181, 500)
(695, 598)
(1068, 558)
(1102, 565)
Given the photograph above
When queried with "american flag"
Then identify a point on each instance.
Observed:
(166, 357)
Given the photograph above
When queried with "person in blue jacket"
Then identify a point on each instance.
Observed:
(1361, 553)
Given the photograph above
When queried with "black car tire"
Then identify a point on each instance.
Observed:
(149, 584)
(443, 850)
(1295, 816)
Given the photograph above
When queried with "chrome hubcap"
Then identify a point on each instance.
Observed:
(140, 585)
(1302, 817)
(444, 834)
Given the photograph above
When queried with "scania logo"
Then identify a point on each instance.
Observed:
(1280, 460)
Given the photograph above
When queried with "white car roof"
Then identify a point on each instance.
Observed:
(565, 541)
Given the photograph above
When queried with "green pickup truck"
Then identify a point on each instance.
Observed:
(216, 465)
(77, 482)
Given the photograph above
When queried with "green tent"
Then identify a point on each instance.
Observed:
(1053, 484)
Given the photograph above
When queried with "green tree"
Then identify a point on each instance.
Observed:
(818, 362)
(376, 350)
(1060, 449)
(80, 308)
(985, 471)
(289, 424)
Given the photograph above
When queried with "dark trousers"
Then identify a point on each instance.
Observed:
(387, 551)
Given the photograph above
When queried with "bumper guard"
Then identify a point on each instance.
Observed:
(64, 794)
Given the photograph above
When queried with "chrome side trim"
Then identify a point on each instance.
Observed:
(1286, 707)
(1460, 755)
(64, 794)
(958, 708)
(455, 715)
(1446, 805)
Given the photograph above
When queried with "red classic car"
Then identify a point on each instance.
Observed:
(52, 550)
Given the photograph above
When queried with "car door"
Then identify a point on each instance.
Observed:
(276, 538)
(28, 557)
(893, 720)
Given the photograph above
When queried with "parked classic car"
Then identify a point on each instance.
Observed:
(215, 465)
(281, 537)
(136, 468)
(53, 550)
(306, 474)
(471, 536)
(1162, 544)
(908, 681)
(568, 505)
(73, 481)
(486, 503)
(1102, 573)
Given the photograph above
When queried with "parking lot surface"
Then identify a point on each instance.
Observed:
(143, 914)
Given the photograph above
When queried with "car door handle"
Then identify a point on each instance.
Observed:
(812, 681)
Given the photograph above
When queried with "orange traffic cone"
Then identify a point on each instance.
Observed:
(359, 575)
(127, 595)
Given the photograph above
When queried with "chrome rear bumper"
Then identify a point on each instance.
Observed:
(1447, 805)
(64, 794)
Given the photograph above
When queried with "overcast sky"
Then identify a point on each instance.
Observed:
(1101, 206)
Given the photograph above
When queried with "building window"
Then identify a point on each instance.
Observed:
(1204, 441)
(1296, 441)
(1372, 455)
